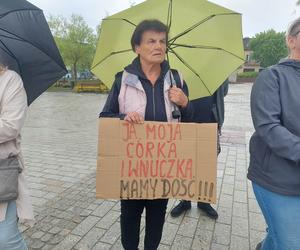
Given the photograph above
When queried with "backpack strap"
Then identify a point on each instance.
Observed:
(177, 78)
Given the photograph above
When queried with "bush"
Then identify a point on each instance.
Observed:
(251, 74)
(90, 86)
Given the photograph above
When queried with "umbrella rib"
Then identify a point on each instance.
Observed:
(111, 54)
(170, 12)
(190, 68)
(12, 11)
(18, 38)
(118, 19)
(172, 40)
(9, 52)
(205, 47)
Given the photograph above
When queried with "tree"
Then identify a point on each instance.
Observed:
(298, 2)
(98, 30)
(75, 40)
(268, 47)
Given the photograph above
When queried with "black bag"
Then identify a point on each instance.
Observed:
(9, 174)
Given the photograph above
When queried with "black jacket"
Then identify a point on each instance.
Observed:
(211, 108)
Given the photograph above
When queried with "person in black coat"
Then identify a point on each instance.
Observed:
(205, 110)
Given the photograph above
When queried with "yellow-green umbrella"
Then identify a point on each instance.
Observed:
(205, 41)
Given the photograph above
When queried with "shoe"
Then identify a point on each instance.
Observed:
(258, 246)
(180, 208)
(208, 209)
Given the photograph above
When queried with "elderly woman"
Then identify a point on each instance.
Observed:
(13, 106)
(275, 147)
(143, 91)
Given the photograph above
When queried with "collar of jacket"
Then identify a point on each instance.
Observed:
(136, 74)
(290, 62)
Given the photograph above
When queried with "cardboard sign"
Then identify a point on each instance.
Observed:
(156, 160)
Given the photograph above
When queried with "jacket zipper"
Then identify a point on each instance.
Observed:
(153, 102)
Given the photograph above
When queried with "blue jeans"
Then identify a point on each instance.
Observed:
(10, 236)
(282, 215)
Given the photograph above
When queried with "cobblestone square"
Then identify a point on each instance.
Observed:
(59, 147)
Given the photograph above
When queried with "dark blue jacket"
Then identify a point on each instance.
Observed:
(211, 108)
(202, 110)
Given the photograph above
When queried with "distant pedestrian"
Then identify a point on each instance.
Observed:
(206, 109)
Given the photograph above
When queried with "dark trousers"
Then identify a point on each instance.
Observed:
(131, 212)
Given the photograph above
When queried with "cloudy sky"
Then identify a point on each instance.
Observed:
(258, 15)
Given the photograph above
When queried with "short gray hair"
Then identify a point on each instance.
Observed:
(294, 28)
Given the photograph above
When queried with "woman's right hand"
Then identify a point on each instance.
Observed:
(134, 117)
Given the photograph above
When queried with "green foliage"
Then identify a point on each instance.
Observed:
(268, 47)
(75, 40)
(248, 74)
(98, 29)
(57, 25)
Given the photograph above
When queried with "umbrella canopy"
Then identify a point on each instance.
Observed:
(27, 46)
(205, 41)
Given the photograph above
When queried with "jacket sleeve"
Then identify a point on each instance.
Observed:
(187, 112)
(111, 107)
(13, 109)
(266, 115)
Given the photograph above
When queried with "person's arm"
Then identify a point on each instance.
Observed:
(111, 107)
(266, 115)
(13, 108)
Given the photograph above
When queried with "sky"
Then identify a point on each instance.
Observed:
(257, 15)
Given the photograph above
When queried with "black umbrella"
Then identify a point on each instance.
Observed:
(27, 46)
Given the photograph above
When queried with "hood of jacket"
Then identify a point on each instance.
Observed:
(290, 63)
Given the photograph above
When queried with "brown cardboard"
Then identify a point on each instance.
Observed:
(156, 160)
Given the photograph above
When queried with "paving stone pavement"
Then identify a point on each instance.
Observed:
(59, 147)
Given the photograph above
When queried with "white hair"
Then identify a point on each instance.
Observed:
(294, 28)
(292, 31)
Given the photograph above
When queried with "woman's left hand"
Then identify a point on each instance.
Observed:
(178, 97)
